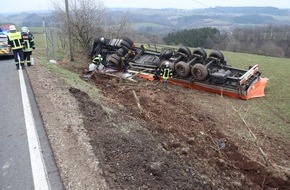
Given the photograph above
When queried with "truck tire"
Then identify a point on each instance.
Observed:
(128, 40)
(217, 55)
(182, 69)
(185, 50)
(126, 44)
(200, 52)
(115, 60)
(199, 71)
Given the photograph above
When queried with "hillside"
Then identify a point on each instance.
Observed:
(162, 21)
(29, 19)
(223, 18)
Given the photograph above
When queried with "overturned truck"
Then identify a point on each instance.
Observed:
(193, 69)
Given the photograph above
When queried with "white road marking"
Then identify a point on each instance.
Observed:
(37, 163)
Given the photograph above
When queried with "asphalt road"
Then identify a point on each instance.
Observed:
(26, 159)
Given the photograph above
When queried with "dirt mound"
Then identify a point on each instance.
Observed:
(163, 138)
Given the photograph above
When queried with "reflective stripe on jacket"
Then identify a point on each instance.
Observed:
(28, 42)
(15, 40)
(97, 60)
(166, 73)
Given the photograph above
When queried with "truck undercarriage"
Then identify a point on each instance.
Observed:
(193, 69)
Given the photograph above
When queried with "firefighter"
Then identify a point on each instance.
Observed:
(157, 73)
(28, 43)
(166, 73)
(16, 44)
(97, 60)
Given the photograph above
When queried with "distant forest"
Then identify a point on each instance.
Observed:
(267, 40)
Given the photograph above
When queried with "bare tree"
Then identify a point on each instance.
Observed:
(119, 27)
(86, 20)
(271, 40)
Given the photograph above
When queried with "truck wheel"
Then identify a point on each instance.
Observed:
(200, 52)
(126, 44)
(218, 55)
(185, 50)
(199, 71)
(115, 60)
(128, 40)
(182, 69)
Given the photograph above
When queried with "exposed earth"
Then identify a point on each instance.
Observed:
(162, 138)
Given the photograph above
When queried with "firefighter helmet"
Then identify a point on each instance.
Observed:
(97, 59)
(167, 64)
(24, 29)
(12, 28)
(102, 40)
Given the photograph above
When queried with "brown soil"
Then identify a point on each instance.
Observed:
(177, 138)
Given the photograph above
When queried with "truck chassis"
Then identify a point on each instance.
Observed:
(193, 69)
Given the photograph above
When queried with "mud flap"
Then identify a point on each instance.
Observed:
(257, 90)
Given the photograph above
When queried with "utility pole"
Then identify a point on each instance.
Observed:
(69, 31)
(45, 37)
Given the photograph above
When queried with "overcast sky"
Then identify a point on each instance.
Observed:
(27, 5)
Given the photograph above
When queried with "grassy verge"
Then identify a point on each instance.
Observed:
(71, 78)
(273, 110)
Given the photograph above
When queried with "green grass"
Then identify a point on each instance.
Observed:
(36, 30)
(70, 77)
(41, 42)
(273, 110)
